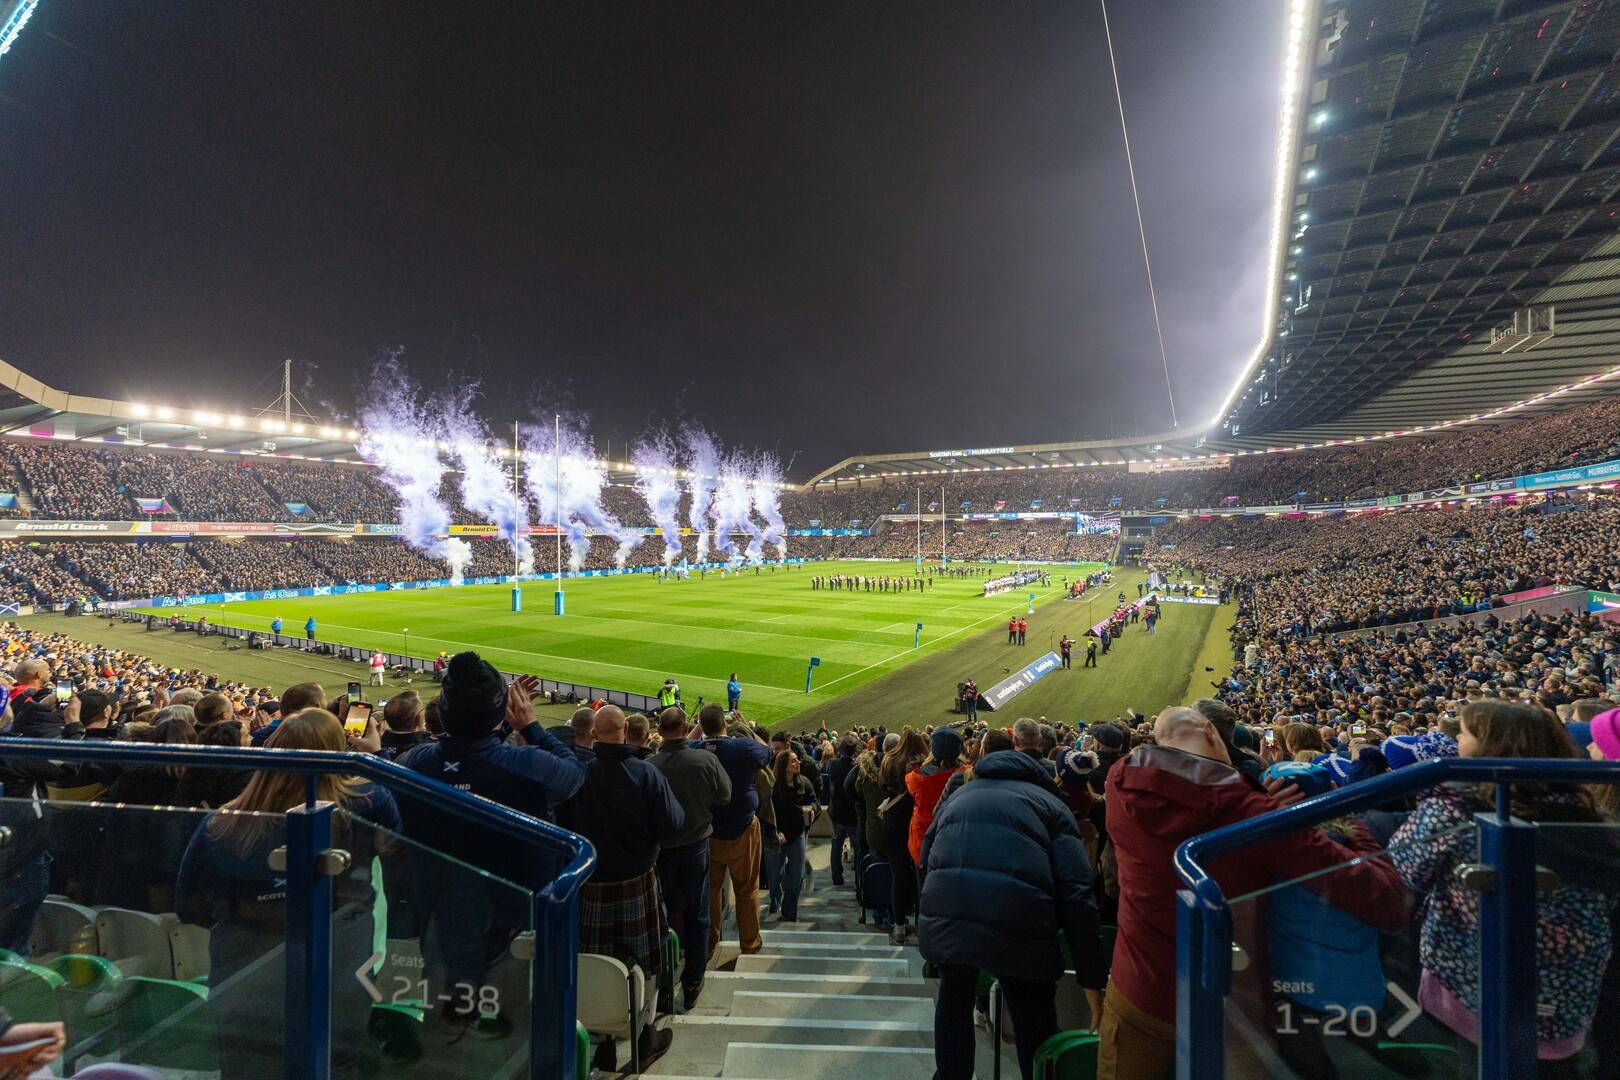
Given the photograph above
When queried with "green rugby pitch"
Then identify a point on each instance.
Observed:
(631, 632)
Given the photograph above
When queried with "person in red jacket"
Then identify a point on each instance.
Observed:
(927, 784)
(1161, 796)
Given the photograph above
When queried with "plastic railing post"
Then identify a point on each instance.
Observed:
(553, 977)
(1200, 1011)
(1507, 949)
(308, 1004)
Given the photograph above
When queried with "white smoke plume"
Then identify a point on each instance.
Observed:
(654, 459)
(400, 434)
(703, 462)
(485, 487)
(768, 502)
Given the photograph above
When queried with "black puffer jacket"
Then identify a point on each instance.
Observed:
(1005, 871)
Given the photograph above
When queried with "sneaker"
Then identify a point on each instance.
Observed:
(897, 935)
(654, 1045)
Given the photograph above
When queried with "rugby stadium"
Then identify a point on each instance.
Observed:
(1279, 743)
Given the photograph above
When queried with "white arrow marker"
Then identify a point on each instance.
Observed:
(362, 975)
(1413, 1011)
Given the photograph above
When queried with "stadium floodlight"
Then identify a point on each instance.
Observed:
(165, 413)
(1296, 49)
(298, 429)
(236, 421)
(14, 15)
(142, 412)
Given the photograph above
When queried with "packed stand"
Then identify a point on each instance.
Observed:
(260, 564)
(129, 571)
(332, 492)
(67, 482)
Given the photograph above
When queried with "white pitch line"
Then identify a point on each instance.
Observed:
(481, 649)
(943, 637)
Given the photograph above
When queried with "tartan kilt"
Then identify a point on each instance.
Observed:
(624, 920)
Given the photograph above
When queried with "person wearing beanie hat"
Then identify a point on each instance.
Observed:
(534, 777)
(1312, 779)
(1605, 744)
(927, 783)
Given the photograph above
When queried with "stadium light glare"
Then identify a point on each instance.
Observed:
(236, 421)
(15, 22)
(298, 429)
(165, 413)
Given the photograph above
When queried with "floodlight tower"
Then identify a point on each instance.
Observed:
(14, 14)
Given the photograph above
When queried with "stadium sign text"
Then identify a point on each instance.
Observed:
(980, 452)
(1016, 683)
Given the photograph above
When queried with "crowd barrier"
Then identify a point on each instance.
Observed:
(1506, 869)
(308, 885)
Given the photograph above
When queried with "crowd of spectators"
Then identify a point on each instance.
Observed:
(78, 482)
(128, 571)
(1339, 572)
(242, 565)
(35, 578)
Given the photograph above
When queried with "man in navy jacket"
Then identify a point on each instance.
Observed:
(1004, 872)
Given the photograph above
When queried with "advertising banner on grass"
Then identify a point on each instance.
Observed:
(1019, 681)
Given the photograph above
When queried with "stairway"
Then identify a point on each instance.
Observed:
(827, 998)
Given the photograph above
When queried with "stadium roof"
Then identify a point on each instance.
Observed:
(1442, 167)
(30, 407)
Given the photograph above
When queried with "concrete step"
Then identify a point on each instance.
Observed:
(802, 950)
(776, 1061)
(832, 1006)
(821, 937)
(829, 965)
(720, 987)
(701, 1042)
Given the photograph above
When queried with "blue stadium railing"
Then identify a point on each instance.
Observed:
(553, 974)
(1507, 961)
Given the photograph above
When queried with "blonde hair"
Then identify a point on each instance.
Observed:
(244, 820)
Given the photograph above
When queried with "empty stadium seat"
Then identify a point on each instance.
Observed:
(188, 950)
(137, 941)
(1068, 1055)
(611, 998)
(64, 927)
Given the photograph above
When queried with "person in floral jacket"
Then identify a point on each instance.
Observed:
(1573, 940)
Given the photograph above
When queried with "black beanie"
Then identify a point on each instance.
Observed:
(1108, 736)
(472, 700)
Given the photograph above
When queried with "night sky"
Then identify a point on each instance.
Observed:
(822, 229)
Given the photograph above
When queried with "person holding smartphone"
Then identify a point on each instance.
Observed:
(25, 1048)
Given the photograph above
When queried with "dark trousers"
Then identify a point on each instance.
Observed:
(21, 897)
(1032, 1004)
(683, 877)
(1091, 659)
(839, 833)
(904, 893)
